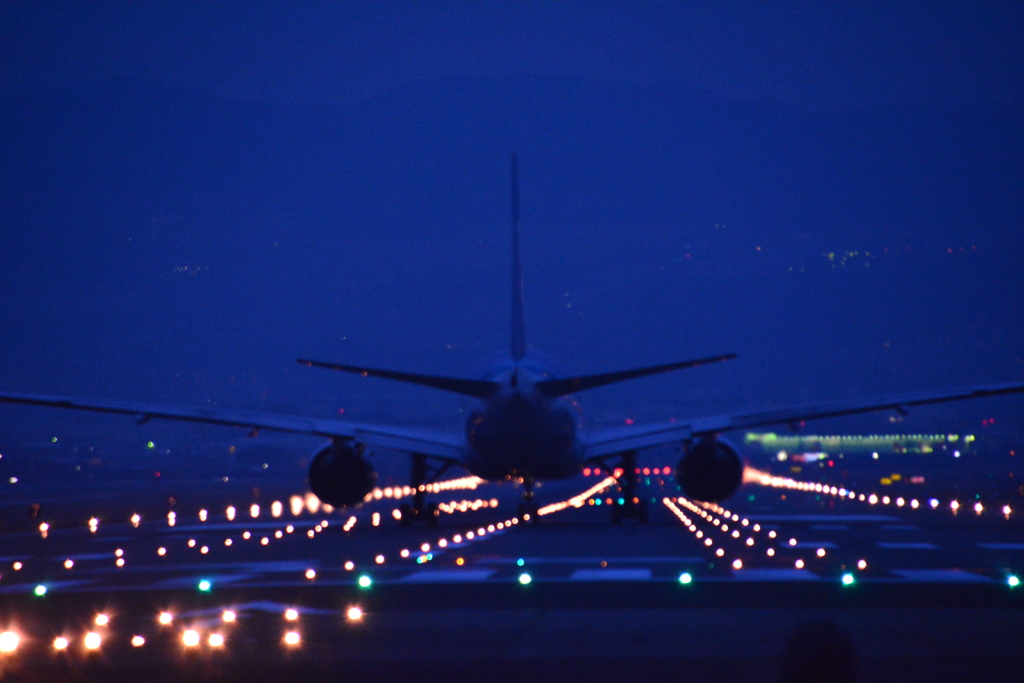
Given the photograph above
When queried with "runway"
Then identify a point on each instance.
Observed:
(702, 592)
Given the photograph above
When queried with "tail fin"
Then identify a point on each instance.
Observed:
(518, 318)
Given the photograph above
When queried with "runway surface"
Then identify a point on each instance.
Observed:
(923, 587)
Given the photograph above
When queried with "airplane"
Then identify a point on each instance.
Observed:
(526, 427)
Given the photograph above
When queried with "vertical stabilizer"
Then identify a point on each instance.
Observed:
(518, 320)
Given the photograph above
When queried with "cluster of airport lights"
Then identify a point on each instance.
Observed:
(192, 635)
(721, 518)
(954, 505)
(299, 504)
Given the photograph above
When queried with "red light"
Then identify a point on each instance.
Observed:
(655, 471)
(617, 473)
(586, 471)
(629, 420)
(831, 464)
(597, 471)
(647, 471)
(636, 471)
(666, 470)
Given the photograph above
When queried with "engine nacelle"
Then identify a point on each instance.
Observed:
(710, 470)
(340, 476)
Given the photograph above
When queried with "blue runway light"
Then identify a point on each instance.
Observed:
(848, 579)
(685, 578)
(525, 578)
(204, 585)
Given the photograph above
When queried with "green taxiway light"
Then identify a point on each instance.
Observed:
(365, 581)
(1012, 581)
(205, 585)
(685, 578)
(40, 590)
(150, 445)
(848, 579)
(520, 562)
(525, 578)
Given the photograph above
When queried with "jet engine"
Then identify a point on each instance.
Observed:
(710, 470)
(340, 476)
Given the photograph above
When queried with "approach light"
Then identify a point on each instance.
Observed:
(365, 581)
(205, 586)
(525, 578)
(848, 579)
(190, 638)
(60, 643)
(101, 620)
(138, 641)
(93, 640)
(215, 640)
(291, 614)
(9, 641)
(354, 614)
(228, 616)
(165, 618)
(291, 638)
(685, 578)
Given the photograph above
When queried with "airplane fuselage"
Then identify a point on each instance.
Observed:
(520, 432)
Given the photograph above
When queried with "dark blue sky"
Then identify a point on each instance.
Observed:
(193, 195)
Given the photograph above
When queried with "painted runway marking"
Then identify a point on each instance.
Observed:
(940, 575)
(599, 560)
(823, 518)
(774, 575)
(192, 581)
(907, 546)
(611, 575)
(444, 576)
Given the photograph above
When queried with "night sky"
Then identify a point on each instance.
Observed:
(193, 195)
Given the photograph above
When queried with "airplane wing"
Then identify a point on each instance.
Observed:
(611, 440)
(413, 440)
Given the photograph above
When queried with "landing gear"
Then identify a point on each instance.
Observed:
(629, 505)
(423, 474)
(528, 510)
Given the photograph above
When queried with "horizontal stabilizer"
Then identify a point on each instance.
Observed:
(468, 387)
(570, 385)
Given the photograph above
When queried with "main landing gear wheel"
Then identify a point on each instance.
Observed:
(420, 510)
(528, 510)
(631, 505)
